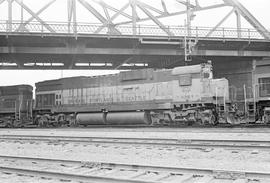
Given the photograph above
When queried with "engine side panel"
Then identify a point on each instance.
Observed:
(128, 91)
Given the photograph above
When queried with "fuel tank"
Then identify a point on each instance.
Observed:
(91, 118)
(128, 118)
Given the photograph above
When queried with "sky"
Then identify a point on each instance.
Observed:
(259, 8)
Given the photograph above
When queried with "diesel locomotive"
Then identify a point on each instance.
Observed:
(16, 105)
(182, 95)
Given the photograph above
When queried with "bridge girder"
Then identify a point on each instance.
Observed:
(126, 22)
(116, 53)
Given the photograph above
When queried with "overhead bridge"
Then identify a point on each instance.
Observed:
(101, 52)
(35, 43)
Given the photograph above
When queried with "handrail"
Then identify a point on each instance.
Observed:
(125, 30)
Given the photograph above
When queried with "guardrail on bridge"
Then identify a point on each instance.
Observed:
(56, 28)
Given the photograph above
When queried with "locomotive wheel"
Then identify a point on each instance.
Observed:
(56, 124)
(188, 123)
(9, 125)
(42, 123)
(203, 121)
(209, 120)
(231, 120)
(61, 120)
(213, 120)
(73, 123)
(200, 122)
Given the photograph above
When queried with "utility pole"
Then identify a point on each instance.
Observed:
(188, 19)
(188, 42)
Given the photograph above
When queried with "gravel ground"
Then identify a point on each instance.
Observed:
(210, 158)
(227, 159)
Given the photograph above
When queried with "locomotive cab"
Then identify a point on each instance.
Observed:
(198, 93)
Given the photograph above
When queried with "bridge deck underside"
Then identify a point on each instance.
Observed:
(59, 52)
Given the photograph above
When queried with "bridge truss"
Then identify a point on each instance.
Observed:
(127, 19)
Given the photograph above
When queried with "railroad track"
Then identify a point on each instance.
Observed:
(69, 170)
(189, 143)
(180, 126)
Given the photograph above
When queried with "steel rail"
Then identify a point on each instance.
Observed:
(172, 170)
(214, 143)
(50, 174)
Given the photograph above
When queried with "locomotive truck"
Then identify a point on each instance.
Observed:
(182, 95)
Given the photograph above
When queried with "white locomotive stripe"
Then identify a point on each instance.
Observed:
(48, 92)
